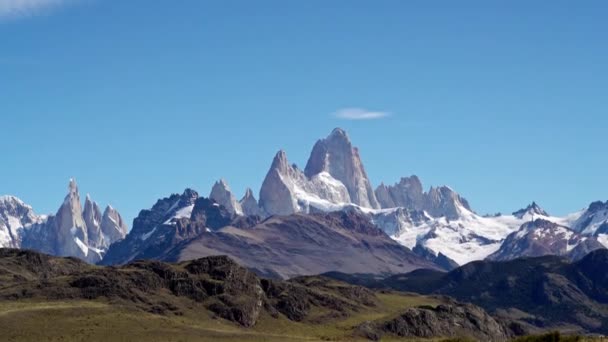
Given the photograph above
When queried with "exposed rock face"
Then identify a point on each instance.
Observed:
(531, 210)
(384, 197)
(278, 247)
(543, 237)
(71, 229)
(399, 220)
(287, 190)
(443, 201)
(277, 195)
(446, 320)
(594, 220)
(336, 156)
(438, 201)
(92, 219)
(112, 226)
(407, 193)
(71, 232)
(250, 205)
(14, 216)
(169, 223)
(333, 179)
(222, 194)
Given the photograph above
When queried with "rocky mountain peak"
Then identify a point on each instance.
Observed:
(542, 237)
(73, 186)
(249, 204)
(14, 216)
(188, 197)
(443, 201)
(407, 193)
(339, 135)
(112, 226)
(71, 228)
(222, 194)
(280, 162)
(336, 156)
(597, 206)
(532, 209)
(92, 219)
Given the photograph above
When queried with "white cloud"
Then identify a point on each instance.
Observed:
(17, 8)
(359, 114)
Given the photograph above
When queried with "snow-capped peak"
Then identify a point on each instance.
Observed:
(531, 210)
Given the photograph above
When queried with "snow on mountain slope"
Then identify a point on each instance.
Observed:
(593, 220)
(468, 238)
(15, 216)
(541, 237)
(72, 231)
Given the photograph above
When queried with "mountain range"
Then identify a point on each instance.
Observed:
(323, 218)
(72, 231)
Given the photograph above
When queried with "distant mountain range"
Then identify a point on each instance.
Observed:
(325, 217)
(72, 231)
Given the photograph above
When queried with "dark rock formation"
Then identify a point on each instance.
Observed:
(445, 320)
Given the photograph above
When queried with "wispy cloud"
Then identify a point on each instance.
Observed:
(19, 8)
(359, 114)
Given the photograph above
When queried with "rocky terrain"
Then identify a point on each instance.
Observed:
(183, 227)
(72, 231)
(214, 298)
(530, 293)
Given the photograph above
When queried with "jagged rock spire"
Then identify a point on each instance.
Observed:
(222, 194)
(249, 204)
(336, 156)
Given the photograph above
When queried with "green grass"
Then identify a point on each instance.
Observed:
(82, 320)
(99, 321)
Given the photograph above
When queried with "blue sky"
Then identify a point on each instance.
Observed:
(505, 101)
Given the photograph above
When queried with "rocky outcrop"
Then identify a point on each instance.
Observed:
(336, 156)
(213, 285)
(546, 292)
(445, 320)
(222, 194)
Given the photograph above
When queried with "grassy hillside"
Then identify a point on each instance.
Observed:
(96, 320)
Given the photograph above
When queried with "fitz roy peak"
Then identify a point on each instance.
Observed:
(337, 156)
(72, 231)
(334, 177)
(438, 221)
